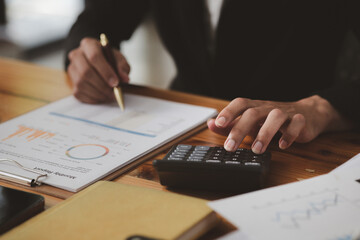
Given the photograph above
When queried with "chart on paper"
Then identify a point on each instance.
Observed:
(87, 151)
(301, 210)
(76, 143)
(64, 146)
(29, 133)
(137, 120)
(319, 208)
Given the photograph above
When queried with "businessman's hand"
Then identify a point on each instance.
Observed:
(92, 76)
(299, 121)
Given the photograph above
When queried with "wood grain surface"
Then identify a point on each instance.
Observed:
(25, 87)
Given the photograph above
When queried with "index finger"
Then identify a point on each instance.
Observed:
(231, 112)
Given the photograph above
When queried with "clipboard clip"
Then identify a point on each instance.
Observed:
(32, 182)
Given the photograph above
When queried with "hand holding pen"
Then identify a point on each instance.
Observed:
(92, 76)
(108, 53)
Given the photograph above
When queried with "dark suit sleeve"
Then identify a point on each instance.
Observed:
(345, 96)
(116, 18)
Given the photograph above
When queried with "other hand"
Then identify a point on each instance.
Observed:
(92, 76)
(300, 121)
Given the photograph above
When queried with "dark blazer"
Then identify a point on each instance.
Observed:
(281, 50)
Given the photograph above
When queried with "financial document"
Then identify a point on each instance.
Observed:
(349, 170)
(326, 207)
(77, 144)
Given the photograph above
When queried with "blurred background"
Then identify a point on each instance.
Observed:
(34, 31)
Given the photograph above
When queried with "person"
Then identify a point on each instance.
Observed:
(274, 59)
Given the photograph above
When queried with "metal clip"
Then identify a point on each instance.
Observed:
(32, 182)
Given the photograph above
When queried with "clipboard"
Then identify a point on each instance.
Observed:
(144, 91)
(64, 194)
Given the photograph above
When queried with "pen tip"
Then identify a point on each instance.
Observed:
(119, 98)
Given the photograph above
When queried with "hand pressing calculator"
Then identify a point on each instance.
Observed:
(213, 168)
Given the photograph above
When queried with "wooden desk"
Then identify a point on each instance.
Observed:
(25, 87)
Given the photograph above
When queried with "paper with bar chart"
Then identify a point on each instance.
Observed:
(325, 208)
(77, 144)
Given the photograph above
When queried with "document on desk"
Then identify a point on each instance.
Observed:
(77, 144)
(350, 169)
(325, 208)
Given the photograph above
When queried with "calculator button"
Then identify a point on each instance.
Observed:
(232, 162)
(245, 157)
(252, 164)
(196, 157)
(184, 147)
(178, 155)
(203, 148)
(175, 158)
(200, 151)
(221, 151)
(218, 155)
(213, 161)
(255, 160)
(241, 150)
(198, 154)
(246, 153)
(181, 151)
(194, 160)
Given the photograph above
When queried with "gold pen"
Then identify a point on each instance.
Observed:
(111, 60)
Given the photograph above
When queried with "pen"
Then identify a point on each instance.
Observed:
(111, 60)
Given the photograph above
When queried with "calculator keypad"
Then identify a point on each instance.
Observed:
(213, 168)
(215, 155)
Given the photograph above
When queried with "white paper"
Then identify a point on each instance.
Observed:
(325, 207)
(77, 144)
(349, 170)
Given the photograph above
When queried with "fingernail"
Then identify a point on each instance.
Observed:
(229, 145)
(220, 121)
(283, 144)
(257, 147)
(210, 120)
(113, 82)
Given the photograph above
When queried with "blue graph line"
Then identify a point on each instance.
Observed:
(294, 217)
(293, 198)
(345, 237)
(101, 124)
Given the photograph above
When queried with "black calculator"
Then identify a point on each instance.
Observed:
(213, 168)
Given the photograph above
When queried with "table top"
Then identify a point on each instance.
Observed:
(25, 87)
